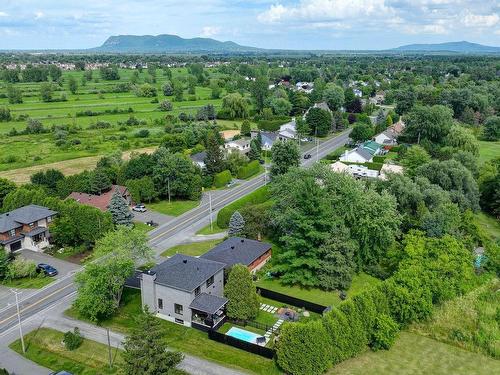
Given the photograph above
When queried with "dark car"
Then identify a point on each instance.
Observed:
(61, 373)
(307, 156)
(47, 269)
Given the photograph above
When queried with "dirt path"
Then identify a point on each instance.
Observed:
(68, 167)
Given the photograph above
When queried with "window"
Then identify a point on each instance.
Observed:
(32, 225)
(210, 281)
(179, 321)
(178, 309)
(197, 291)
(160, 304)
(12, 232)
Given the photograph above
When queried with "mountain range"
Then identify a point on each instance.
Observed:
(166, 43)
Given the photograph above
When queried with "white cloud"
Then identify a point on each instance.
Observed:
(480, 21)
(39, 15)
(209, 31)
(3, 14)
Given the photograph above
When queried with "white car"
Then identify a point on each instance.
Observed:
(139, 208)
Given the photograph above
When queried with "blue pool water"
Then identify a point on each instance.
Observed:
(241, 334)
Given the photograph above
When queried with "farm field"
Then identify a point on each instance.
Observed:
(92, 103)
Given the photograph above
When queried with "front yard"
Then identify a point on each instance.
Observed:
(45, 347)
(360, 283)
(36, 282)
(174, 208)
(193, 249)
(187, 340)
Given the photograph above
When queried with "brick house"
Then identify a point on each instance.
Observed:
(101, 201)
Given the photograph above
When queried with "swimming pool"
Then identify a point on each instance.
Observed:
(241, 334)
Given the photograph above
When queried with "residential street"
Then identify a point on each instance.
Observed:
(38, 306)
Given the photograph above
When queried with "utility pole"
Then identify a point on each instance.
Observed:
(19, 319)
(210, 204)
(109, 349)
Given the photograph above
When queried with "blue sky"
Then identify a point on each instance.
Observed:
(300, 24)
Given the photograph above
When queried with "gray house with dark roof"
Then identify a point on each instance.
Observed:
(185, 290)
(26, 228)
(238, 250)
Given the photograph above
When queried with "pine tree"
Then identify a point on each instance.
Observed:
(214, 161)
(255, 150)
(245, 128)
(119, 210)
(236, 224)
(146, 350)
(240, 290)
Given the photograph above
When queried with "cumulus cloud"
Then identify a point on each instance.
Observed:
(3, 14)
(480, 21)
(209, 31)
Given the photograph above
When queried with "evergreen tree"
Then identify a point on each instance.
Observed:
(255, 150)
(240, 290)
(236, 224)
(119, 210)
(245, 128)
(99, 181)
(146, 350)
(214, 161)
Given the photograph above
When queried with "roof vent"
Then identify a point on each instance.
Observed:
(232, 247)
(185, 261)
(242, 240)
(7, 214)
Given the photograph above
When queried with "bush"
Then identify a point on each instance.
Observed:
(222, 179)
(303, 348)
(19, 268)
(166, 106)
(73, 340)
(379, 159)
(260, 195)
(385, 332)
(249, 170)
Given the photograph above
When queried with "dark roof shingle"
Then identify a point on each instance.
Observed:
(23, 215)
(208, 303)
(237, 250)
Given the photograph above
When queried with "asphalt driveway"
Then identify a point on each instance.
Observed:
(62, 266)
(149, 215)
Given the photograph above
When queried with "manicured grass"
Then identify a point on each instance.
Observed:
(360, 283)
(266, 318)
(488, 150)
(489, 224)
(188, 340)
(413, 354)
(174, 208)
(45, 347)
(143, 227)
(193, 249)
(36, 282)
(206, 230)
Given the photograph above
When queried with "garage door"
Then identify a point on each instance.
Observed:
(15, 246)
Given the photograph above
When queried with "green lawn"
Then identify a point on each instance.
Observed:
(488, 150)
(206, 230)
(143, 227)
(489, 224)
(45, 347)
(174, 208)
(187, 340)
(28, 282)
(193, 249)
(417, 355)
(360, 283)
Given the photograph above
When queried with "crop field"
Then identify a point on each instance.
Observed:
(92, 102)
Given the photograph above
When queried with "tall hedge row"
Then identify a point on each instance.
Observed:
(249, 170)
(222, 179)
(260, 195)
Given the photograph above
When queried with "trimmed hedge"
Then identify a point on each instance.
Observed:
(272, 125)
(249, 170)
(379, 159)
(222, 179)
(260, 195)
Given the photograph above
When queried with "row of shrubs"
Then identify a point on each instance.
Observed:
(249, 170)
(113, 111)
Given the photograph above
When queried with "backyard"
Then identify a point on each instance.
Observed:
(360, 283)
(188, 340)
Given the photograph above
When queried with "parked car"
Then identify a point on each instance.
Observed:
(139, 208)
(151, 223)
(61, 373)
(307, 156)
(47, 269)
(231, 183)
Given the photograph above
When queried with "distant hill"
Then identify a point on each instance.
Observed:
(458, 47)
(168, 44)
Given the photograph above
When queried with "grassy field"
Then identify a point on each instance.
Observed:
(360, 283)
(488, 150)
(416, 355)
(489, 224)
(45, 347)
(92, 103)
(469, 322)
(188, 340)
(193, 249)
(174, 208)
(207, 230)
(27, 282)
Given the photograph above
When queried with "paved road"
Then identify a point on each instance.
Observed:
(38, 303)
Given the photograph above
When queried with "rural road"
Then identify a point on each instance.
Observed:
(39, 304)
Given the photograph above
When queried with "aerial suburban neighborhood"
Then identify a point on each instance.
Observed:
(298, 188)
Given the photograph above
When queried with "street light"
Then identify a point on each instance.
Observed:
(210, 204)
(19, 318)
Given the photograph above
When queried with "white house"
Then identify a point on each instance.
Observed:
(240, 145)
(362, 154)
(360, 171)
